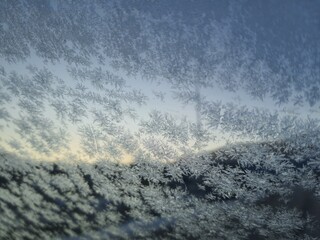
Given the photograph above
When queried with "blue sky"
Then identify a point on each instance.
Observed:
(166, 54)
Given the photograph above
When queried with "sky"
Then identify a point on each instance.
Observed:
(123, 80)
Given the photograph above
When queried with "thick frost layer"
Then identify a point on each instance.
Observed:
(247, 191)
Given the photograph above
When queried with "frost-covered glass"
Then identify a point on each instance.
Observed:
(159, 119)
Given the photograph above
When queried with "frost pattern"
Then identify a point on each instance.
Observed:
(264, 191)
(73, 88)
